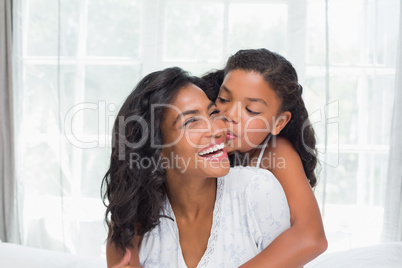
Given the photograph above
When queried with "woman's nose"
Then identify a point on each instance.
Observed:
(218, 128)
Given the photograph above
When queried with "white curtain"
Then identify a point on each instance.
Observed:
(80, 58)
(393, 208)
(9, 213)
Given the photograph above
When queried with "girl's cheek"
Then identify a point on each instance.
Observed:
(220, 107)
(258, 123)
(246, 121)
(255, 130)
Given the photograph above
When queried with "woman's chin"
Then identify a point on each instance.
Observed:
(221, 172)
(215, 164)
(224, 168)
(218, 168)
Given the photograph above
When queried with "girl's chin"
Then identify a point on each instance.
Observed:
(240, 146)
(232, 148)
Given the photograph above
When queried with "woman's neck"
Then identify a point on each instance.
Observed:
(191, 198)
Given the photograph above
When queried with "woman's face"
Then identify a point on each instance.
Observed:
(194, 136)
(251, 107)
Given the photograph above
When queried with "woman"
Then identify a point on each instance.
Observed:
(185, 209)
(259, 95)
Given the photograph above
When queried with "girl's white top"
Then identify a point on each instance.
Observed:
(250, 211)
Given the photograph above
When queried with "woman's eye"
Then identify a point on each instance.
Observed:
(189, 121)
(251, 112)
(214, 112)
(222, 99)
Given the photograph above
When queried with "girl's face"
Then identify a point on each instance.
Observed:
(251, 108)
(194, 136)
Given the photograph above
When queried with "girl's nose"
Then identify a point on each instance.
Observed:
(232, 114)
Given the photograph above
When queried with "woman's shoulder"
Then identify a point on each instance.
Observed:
(241, 178)
(259, 198)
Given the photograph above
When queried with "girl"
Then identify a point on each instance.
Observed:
(259, 94)
(172, 200)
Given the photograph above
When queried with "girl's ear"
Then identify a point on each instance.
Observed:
(281, 122)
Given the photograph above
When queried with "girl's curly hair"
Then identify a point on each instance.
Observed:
(134, 194)
(282, 77)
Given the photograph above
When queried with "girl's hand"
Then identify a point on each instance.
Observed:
(125, 262)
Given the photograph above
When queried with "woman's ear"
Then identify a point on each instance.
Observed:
(281, 122)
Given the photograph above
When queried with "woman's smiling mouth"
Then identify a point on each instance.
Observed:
(214, 151)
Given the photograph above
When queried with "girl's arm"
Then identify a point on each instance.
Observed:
(305, 239)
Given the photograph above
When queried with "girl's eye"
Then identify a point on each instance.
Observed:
(251, 112)
(189, 121)
(222, 99)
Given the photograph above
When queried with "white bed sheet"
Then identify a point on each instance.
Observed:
(18, 256)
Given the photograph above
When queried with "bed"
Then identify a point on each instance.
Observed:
(17, 256)
(386, 255)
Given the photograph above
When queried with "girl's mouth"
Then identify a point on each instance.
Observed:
(230, 135)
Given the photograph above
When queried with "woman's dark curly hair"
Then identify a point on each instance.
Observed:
(282, 77)
(135, 194)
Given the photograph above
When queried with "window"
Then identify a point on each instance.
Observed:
(81, 58)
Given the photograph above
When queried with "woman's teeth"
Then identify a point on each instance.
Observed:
(212, 149)
(218, 154)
